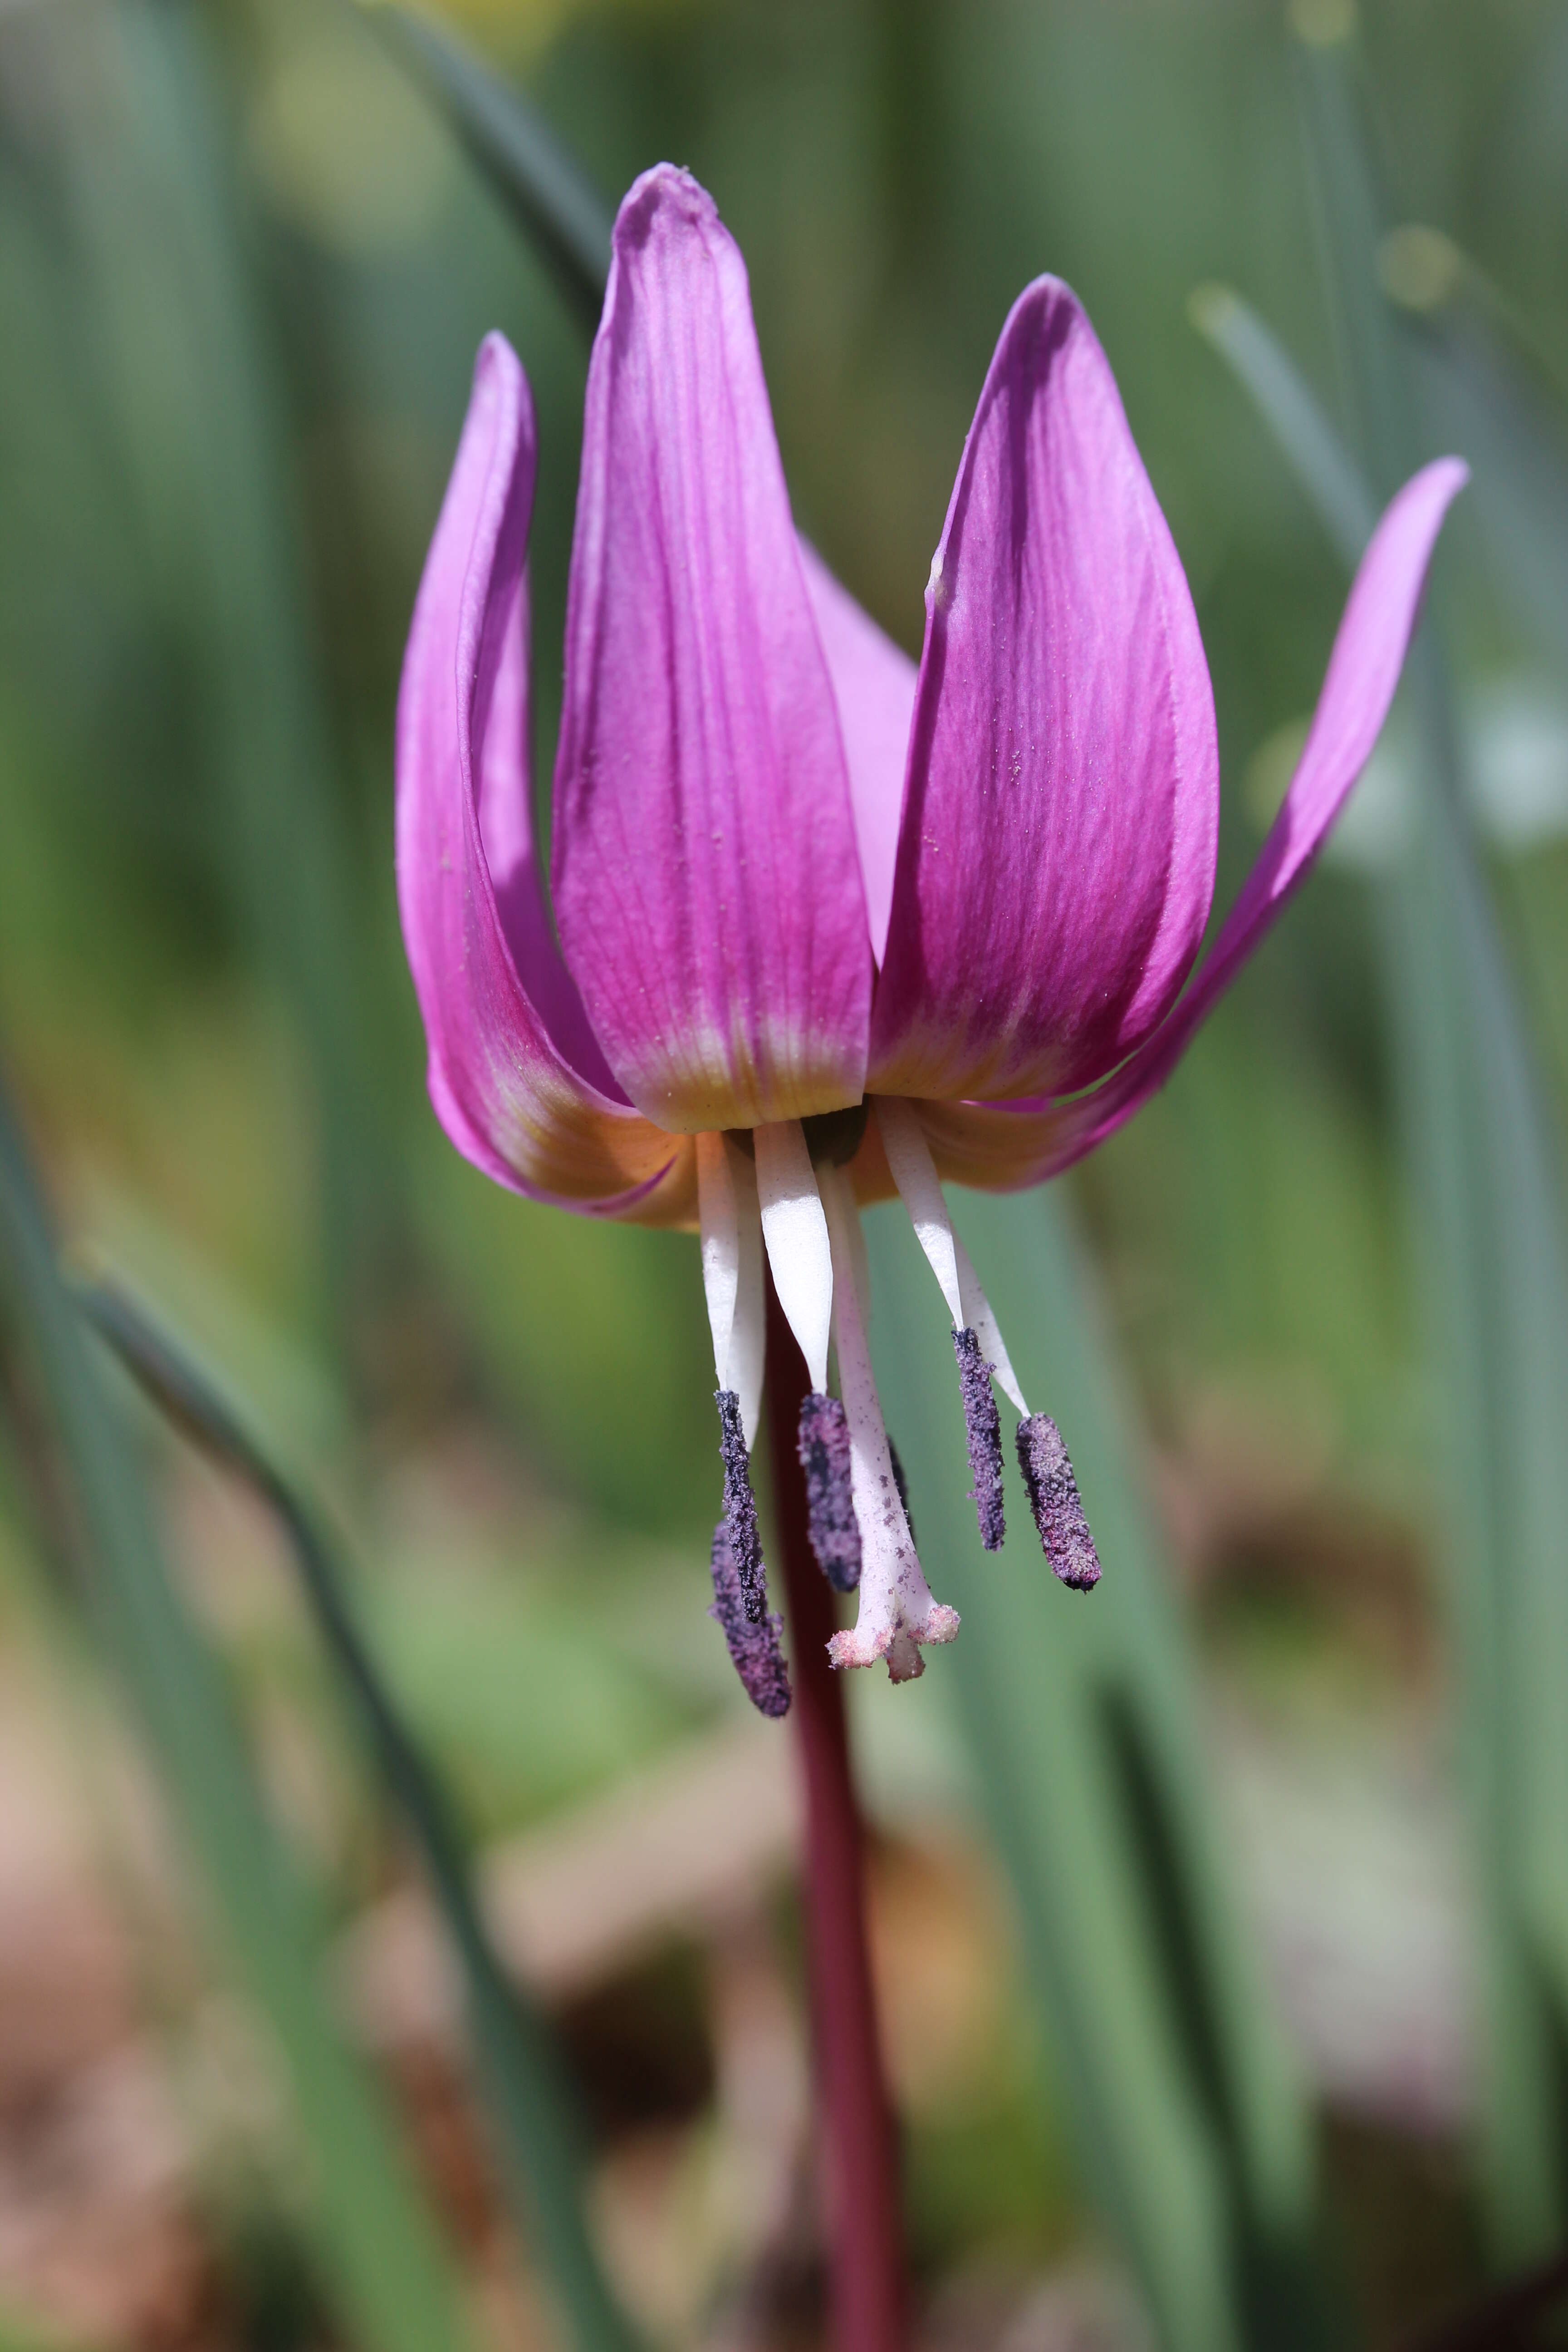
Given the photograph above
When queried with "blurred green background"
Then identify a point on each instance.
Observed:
(243, 268)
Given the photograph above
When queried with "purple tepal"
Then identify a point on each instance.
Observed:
(1055, 1501)
(740, 1510)
(984, 1429)
(753, 1645)
(824, 1447)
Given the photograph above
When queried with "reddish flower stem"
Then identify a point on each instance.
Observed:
(861, 2178)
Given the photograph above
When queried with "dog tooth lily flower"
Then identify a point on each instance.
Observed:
(831, 928)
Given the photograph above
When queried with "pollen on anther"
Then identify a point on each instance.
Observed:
(983, 1428)
(753, 1643)
(740, 1509)
(824, 1448)
(1055, 1501)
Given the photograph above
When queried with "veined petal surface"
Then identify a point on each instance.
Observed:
(706, 879)
(874, 687)
(992, 1146)
(514, 1073)
(1056, 858)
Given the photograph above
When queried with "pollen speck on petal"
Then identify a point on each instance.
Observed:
(754, 1646)
(982, 1427)
(824, 1448)
(1058, 1507)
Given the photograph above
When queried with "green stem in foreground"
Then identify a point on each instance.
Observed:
(860, 2188)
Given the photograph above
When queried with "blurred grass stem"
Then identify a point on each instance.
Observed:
(1084, 1717)
(861, 2190)
(199, 408)
(517, 2070)
(1486, 1178)
(386, 2268)
(566, 219)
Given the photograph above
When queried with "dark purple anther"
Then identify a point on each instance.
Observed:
(740, 1510)
(753, 1641)
(824, 1447)
(984, 1427)
(1054, 1500)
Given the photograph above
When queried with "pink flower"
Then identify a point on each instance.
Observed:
(830, 926)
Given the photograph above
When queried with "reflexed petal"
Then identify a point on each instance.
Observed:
(512, 1064)
(1057, 857)
(874, 687)
(998, 1149)
(706, 879)
(992, 1148)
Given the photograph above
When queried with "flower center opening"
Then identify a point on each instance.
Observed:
(784, 1190)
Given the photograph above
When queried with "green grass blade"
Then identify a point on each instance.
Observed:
(1080, 1716)
(1306, 436)
(191, 389)
(563, 214)
(1485, 391)
(383, 2258)
(1349, 214)
(1313, 449)
(1483, 1173)
(518, 2071)
(1445, 987)
(1495, 1313)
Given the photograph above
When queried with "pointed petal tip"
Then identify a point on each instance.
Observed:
(1363, 672)
(1420, 504)
(1452, 472)
(706, 879)
(1063, 727)
(663, 187)
(496, 357)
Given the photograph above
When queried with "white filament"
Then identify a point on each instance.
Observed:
(733, 1271)
(920, 1188)
(914, 1173)
(897, 1612)
(981, 1321)
(795, 1231)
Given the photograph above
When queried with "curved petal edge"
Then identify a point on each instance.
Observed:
(1057, 857)
(1003, 1148)
(705, 872)
(507, 1073)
